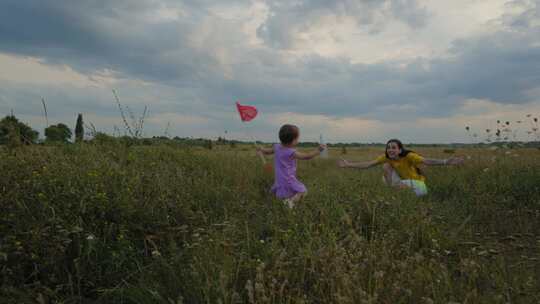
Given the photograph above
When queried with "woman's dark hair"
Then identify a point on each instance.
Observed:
(288, 133)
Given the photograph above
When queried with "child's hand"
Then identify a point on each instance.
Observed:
(455, 161)
(343, 163)
(322, 147)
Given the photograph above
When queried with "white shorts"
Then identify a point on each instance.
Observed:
(419, 187)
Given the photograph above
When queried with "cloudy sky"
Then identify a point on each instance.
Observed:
(364, 70)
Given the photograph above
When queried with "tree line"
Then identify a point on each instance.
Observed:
(15, 132)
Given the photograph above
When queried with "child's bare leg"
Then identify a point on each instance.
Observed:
(291, 201)
(299, 196)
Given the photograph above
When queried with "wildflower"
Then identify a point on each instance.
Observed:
(90, 237)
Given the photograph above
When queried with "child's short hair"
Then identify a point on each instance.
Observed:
(288, 133)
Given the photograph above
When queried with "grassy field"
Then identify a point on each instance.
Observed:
(116, 224)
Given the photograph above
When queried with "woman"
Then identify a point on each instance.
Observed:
(401, 166)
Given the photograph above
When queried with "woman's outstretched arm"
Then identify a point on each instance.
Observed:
(443, 162)
(343, 163)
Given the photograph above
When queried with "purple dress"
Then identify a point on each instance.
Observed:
(286, 184)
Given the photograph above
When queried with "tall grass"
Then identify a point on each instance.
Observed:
(117, 224)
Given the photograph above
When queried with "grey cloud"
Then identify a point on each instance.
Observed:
(287, 18)
(527, 19)
(409, 12)
(501, 66)
(103, 34)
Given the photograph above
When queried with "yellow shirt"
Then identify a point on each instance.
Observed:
(406, 167)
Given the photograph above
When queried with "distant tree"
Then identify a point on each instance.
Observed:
(343, 150)
(209, 144)
(13, 131)
(79, 129)
(58, 133)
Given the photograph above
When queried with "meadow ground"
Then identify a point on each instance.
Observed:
(160, 224)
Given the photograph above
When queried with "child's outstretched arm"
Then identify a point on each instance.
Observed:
(452, 161)
(265, 151)
(309, 155)
(343, 163)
